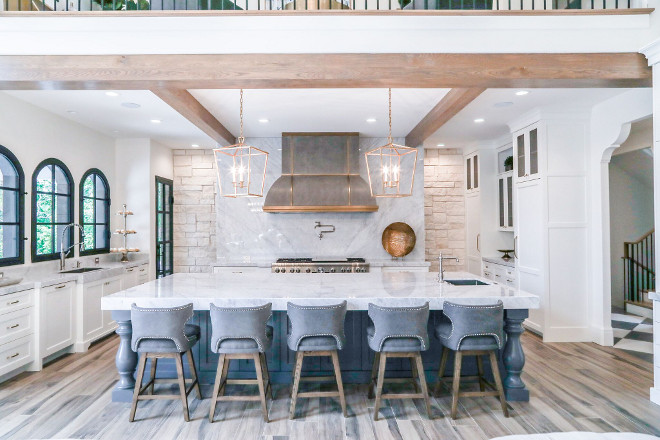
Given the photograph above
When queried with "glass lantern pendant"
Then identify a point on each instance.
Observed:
(241, 168)
(391, 168)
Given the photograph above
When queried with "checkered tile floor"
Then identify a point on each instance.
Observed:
(634, 334)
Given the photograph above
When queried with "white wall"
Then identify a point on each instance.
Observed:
(631, 216)
(33, 135)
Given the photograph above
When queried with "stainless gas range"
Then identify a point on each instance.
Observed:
(309, 265)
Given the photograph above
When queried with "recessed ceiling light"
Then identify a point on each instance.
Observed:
(111, 94)
(195, 146)
(156, 121)
(72, 112)
(440, 145)
(521, 92)
(130, 105)
(115, 131)
(479, 120)
(371, 120)
(263, 120)
(503, 104)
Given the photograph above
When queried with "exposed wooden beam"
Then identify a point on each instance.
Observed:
(348, 70)
(450, 104)
(183, 102)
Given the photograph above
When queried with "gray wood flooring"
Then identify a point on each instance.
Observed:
(573, 387)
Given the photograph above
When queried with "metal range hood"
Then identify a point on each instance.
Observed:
(320, 173)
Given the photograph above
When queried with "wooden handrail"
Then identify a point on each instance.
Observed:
(641, 239)
(639, 264)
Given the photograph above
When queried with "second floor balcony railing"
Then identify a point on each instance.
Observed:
(298, 5)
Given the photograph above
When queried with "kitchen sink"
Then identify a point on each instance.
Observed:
(83, 270)
(466, 282)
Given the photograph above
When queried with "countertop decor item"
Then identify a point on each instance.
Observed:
(506, 253)
(125, 232)
(391, 167)
(241, 168)
(399, 239)
(508, 163)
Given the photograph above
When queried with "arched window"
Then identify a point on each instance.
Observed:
(95, 212)
(52, 209)
(12, 190)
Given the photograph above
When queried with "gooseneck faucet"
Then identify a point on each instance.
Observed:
(64, 253)
(327, 231)
(441, 270)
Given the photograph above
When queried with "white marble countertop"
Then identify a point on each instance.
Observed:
(39, 278)
(374, 263)
(511, 262)
(383, 288)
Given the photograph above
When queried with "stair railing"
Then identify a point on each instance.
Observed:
(639, 268)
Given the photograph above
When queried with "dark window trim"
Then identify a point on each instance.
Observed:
(55, 255)
(81, 212)
(20, 259)
(163, 272)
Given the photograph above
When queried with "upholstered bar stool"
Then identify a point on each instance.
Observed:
(398, 332)
(163, 333)
(316, 331)
(471, 330)
(241, 333)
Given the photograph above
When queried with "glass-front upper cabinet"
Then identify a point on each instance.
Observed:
(472, 172)
(505, 171)
(526, 143)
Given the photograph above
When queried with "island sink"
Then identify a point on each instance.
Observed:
(466, 283)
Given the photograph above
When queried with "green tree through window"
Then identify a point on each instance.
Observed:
(95, 212)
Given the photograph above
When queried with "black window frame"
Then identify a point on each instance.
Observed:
(55, 255)
(162, 271)
(81, 211)
(20, 259)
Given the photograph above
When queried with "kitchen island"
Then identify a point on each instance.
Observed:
(388, 289)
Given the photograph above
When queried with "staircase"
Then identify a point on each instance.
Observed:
(639, 270)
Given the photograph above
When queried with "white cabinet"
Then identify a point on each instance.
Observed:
(505, 201)
(473, 232)
(92, 322)
(500, 273)
(526, 157)
(134, 276)
(472, 178)
(143, 274)
(17, 328)
(57, 317)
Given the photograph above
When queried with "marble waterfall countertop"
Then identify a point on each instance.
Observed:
(265, 264)
(383, 288)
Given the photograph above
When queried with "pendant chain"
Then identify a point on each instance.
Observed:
(241, 139)
(389, 137)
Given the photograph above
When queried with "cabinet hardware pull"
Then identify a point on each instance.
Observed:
(12, 326)
(13, 302)
(12, 356)
(141, 270)
(509, 281)
(129, 270)
(497, 276)
(515, 248)
(107, 283)
(61, 287)
(478, 236)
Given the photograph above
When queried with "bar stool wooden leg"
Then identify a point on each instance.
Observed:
(498, 382)
(138, 385)
(223, 377)
(374, 375)
(193, 373)
(414, 373)
(264, 365)
(457, 383)
(340, 383)
(441, 371)
(480, 369)
(216, 386)
(178, 360)
(154, 364)
(260, 383)
(379, 385)
(296, 383)
(422, 383)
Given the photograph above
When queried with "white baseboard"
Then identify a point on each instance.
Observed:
(639, 311)
(533, 327)
(603, 336)
(567, 334)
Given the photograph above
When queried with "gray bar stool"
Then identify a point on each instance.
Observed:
(398, 332)
(241, 333)
(316, 331)
(472, 331)
(163, 333)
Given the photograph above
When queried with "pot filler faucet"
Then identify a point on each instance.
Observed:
(441, 270)
(64, 253)
(327, 231)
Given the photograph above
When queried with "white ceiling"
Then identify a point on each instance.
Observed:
(96, 110)
(319, 110)
(462, 130)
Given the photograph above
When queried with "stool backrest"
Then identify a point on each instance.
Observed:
(307, 321)
(160, 323)
(474, 320)
(399, 322)
(240, 323)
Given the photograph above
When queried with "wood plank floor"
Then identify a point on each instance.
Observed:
(573, 386)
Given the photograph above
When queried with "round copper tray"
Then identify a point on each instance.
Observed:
(399, 239)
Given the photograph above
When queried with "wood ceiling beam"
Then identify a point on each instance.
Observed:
(450, 104)
(233, 71)
(183, 102)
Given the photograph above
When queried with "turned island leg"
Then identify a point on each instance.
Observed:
(513, 356)
(126, 359)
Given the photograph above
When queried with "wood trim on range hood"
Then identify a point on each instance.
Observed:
(321, 208)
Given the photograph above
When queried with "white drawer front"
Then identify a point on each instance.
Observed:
(16, 324)
(16, 301)
(16, 354)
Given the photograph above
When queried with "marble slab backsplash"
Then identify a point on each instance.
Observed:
(245, 233)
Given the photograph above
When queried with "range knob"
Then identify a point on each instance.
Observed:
(343, 269)
(332, 270)
(308, 270)
(291, 270)
(320, 270)
(277, 271)
(297, 270)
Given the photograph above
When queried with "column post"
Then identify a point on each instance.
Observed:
(126, 359)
